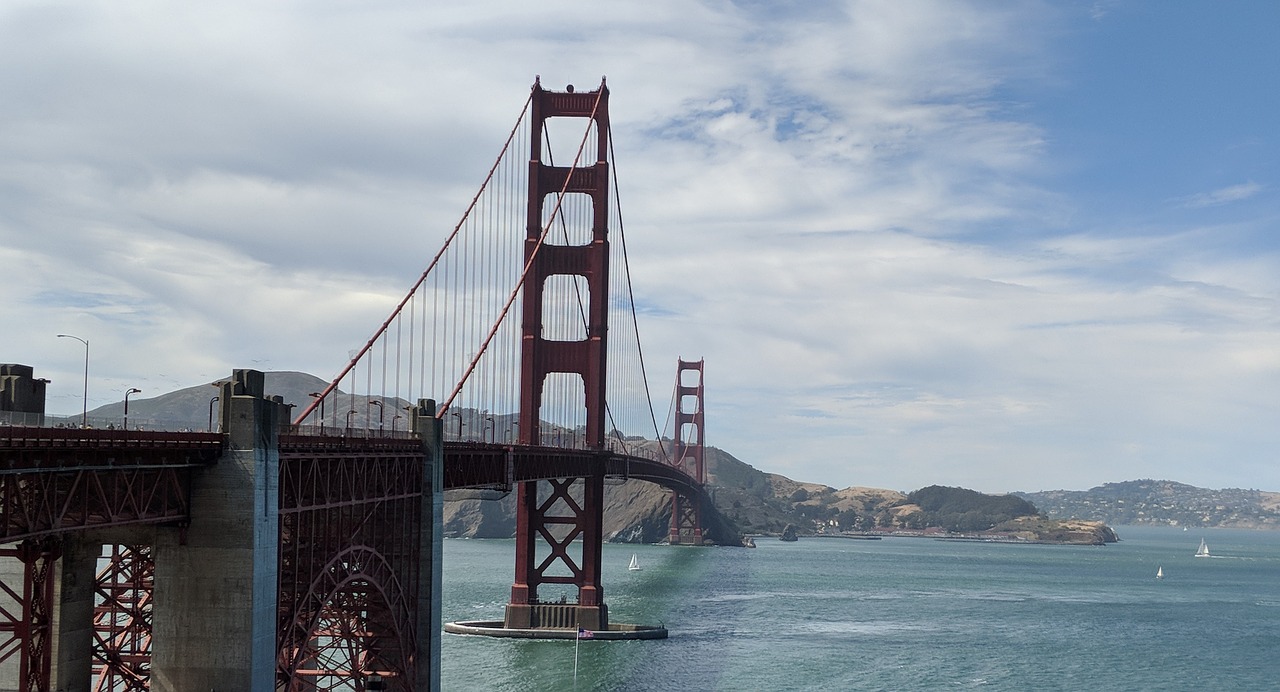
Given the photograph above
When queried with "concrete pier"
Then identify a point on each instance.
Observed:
(73, 595)
(431, 544)
(497, 628)
(216, 580)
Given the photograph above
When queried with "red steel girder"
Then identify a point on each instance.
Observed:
(61, 479)
(47, 503)
(350, 530)
(122, 620)
(479, 465)
(28, 628)
(358, 617)
(110, 445)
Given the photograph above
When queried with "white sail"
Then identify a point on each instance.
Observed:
(635, 563)
(1160, 573)
(1203, 550)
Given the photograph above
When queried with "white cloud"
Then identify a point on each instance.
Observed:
(809, 195)
(1226, 195)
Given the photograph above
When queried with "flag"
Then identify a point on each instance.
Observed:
(585, 634)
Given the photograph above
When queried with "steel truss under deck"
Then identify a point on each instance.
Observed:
(350, 561)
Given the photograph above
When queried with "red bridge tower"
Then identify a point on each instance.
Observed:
(687, 453)
(559, 519)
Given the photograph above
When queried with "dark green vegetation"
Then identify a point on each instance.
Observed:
(1163, 502)
(960, 510)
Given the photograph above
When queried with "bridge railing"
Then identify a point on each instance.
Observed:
(352, 432)
(17, 437)
(139, 423)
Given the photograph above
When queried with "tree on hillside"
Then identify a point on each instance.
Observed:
(963, 510)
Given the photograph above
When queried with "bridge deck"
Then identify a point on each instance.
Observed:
(54, 480)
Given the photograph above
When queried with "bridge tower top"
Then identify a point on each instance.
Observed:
(690, 437)
(582, 264)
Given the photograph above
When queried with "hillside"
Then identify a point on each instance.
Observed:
(748, 500)
(190, 407)
(1163, 502)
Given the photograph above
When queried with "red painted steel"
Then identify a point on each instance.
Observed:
(122, 620)
(473, 465)
(29, 627)
(350, 529)
(535, 524)
(54, 480)
(688, 455)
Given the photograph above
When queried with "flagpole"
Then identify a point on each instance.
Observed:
(577, 639)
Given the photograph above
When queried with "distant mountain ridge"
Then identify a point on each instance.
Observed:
(1162, 502)
(745, 498)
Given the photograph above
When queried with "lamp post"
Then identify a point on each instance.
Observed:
(131, 390)
(459, 417)
(350, 413)
(84, 413)
(319, 396)
(379, 405)
(211, 403)
(493, 428)
(216, 398)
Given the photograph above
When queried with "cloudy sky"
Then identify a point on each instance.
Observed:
(1007, 246)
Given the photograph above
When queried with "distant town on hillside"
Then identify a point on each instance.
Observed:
(1161, 502)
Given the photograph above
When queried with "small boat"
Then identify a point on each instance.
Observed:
(635, 563)
(1160, 573)
(1203, 550)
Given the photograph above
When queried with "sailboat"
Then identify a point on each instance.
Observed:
(1203, 550)
(635, 563)
(1159, 572)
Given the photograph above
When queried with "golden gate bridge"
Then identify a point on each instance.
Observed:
(302, 552)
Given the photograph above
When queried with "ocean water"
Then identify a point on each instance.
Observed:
(898, 614)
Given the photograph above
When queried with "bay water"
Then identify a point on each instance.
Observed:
(897, 614)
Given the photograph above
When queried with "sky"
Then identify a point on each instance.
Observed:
(1003, 246)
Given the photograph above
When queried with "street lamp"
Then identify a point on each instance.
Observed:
(84, 413)
(216, 398)
(211, 403)
(493, 429)
(350, 413)
(320, 396)
(379, 405)
(459, 417)
(131, 390)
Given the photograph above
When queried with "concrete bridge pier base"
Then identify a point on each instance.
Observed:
(216, 587)
(74, 588)
(431, 545)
